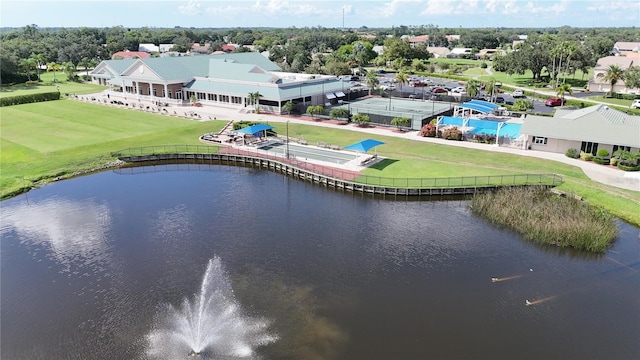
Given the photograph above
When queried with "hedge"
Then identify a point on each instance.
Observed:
(29, 98)
(601, 161)
(628, 168)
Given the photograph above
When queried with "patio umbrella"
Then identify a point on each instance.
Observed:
(364, 146)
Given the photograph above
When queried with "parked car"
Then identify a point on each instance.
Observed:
(458, 90)
(501, 99)
(413, 96)
(381, 71)
(388, 87)
(554, 102)
(635, 104)
(438, 90)
(517, 93)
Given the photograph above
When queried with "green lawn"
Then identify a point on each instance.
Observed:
(48, 85)
(44, 140)
(613, 101)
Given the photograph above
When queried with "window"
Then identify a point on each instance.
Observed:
(539, 140)
(589, 147)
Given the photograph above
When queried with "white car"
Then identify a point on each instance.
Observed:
(458, 90)
(517, 93)
(635, 104)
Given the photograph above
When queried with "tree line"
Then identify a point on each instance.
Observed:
(26, 51)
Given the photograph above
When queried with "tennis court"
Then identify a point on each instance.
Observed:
(305, 152)
(416, 110)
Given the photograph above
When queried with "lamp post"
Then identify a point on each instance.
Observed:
(287, 151)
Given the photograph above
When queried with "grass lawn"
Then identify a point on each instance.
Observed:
(45, 140)
(47, 85)
(613, 101)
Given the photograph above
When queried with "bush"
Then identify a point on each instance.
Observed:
(627, 167)
(429, 130)
(483, 65)
(613, 161)
(586, 156)
(452, 133)
(602, 153)
(601, 161)
(572, 153)
(29, 98)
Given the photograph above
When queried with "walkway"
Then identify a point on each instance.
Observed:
(603, 174)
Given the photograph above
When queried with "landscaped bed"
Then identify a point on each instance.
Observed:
(547, 218)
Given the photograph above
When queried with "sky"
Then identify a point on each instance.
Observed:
(320, 13)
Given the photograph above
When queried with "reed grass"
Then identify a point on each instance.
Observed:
(547, 218)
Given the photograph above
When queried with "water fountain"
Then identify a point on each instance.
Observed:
(209, 325)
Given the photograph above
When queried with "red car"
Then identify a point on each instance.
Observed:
(554, 102)
(438, 90)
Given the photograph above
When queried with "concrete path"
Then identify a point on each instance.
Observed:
(603, 174)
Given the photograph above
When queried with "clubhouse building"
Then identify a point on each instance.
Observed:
(221, 80)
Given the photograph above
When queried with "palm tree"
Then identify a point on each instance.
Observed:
(400, 121)
(471, 87)
(40, 61)
(372, 80)
(614, 73)
(69, 68)
(402, 78)
(28, 65)
(254, 98)
(563, 89)
(53, 66)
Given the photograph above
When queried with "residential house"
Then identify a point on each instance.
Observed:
(196, 48)
(149, 48)
(130, 55)
(487, 54)
(221, 80)
(417, 40)
(165, 47)
(438, 51)
(623, 48)
(228, 48)
(598, 82)
(459, 52)
(589, 130)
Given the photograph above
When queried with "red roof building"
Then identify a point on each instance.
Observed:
(130, 55)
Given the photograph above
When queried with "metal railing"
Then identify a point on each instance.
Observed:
(346, 174)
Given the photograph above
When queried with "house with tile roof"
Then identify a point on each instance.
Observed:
(589, 130)
(218, 80)
(598, 82)
(622, 48)
(420, 39)
(130, 55)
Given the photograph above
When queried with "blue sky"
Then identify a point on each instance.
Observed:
(325, 13)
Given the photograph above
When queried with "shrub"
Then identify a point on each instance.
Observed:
(572, 153)
(586, 156)
(29, 98)
(483, 65)
(628, 168)
(339, 113)
(429, 130)
(452, 133)
(613, 161)
(601, 161)
(602, 153)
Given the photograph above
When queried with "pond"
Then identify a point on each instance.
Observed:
(156, 261)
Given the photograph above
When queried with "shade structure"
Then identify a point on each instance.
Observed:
(254, 129)
(364, 145)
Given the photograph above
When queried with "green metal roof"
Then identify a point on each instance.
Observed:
(253, 58)
(222, 69)
(271, 92)
(599, 123)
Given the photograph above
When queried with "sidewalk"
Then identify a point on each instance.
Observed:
(596, 172)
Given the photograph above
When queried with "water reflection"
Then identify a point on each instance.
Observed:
(74, 232)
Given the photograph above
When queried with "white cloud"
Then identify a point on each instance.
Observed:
(391, 8)
(450, 7)
(190, 8)
(609, 6)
